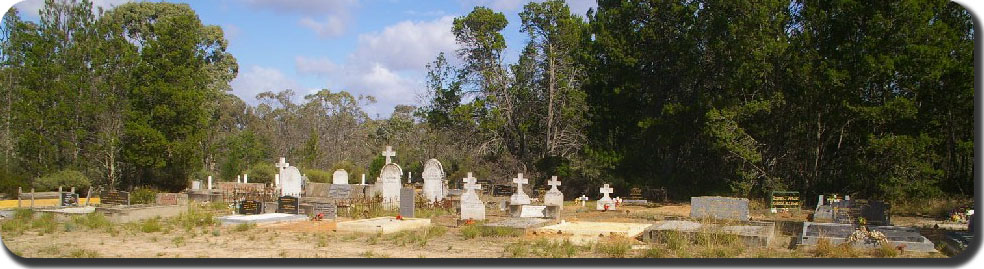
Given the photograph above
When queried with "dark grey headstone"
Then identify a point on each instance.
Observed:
(69, 199)
(340, 191)
(874, 212)
(329, 210)
(407, 196)
(288, 204)
(250, 207)
(719, 208)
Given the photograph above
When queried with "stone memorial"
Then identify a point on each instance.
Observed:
(327, 210)
(873, 212)
(471, 206)
(722, 208)
(407, 202)
(292, 182)
(435, 187)
(339, 177)
(783, 200)
(519, 197)
(288, 204)
(606, 203)
(554, 197)
(69, 199)
(583, 200)
(533, 211)
(838, 233)
(250, 207)
(196, 185)
(114, 198)
(389, 184)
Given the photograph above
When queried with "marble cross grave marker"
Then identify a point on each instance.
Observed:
(389, 153)
(471, 206)
(554, 197)
(520, 197)
(606, 203)
(283, 164)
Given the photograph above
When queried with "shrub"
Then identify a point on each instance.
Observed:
(195, 217)
(318, 175)
(261, 172)
(92, 221)
(242, 227)
(45, 223)
(143, 196)
(613, 247)
(151, 225)
(9, 183)
(470, 231)
(64, 178)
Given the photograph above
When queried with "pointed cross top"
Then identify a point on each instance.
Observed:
(470, 179)
(389, 153)
(519, 180)
(553, 182)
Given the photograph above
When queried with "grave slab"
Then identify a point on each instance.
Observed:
(524, 224)
(956, 242)
(261, 218)
(140, 212)
(383, 225)
(752, 234)
(838, 233)
(585, 232)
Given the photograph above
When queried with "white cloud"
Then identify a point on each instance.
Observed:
(333, 26)
(231, 31)
(407, 45)
(309, 66)
(307, 7)
(258, 79)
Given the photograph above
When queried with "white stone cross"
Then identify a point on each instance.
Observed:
(606, 190)
(553, 182)
(389, 153)
(470, 183)
(283, 164)
(583, 199)
(519, 180)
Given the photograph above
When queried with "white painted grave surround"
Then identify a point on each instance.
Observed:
(435, 188)
(519, 197)
(471, 206)
(606, 200)
(339, 177)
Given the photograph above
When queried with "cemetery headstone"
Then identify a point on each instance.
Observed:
(328, 210)
(114, 198)
(583, 199)
(406, 202)
(873, 212)
(519, 197)
(784, 200)
(196, 185)
(292, 181)
(719, 208)
(389, 185)
(471, 206)
(434, 186)
(340, 192)
(69, 199)
(339, 177)
(606, 203)
(554, 197)
(501, 190)
(288, 204)
(250, 207)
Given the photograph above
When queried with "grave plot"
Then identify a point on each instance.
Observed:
(383, 225)
(721, 208)
(261, 218)
(752, 234)
(521, 224)
(905, 237)
(955, 243)
(131, 213)
(580, 232)
(66, 214)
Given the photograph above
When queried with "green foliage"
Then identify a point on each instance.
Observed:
(9, 183)
(242, 227)
(317, 175)
(261, 172)
(64, 178)
(613, 247)
(143, 196)
(151, 225)
(92, 221)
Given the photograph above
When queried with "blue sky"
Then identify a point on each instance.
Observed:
(376, 47)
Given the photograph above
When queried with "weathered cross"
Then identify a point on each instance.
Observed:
(519, 180)
(553, 182)
(583, 199)
(470, 183)
(283, 164)
(606, 190)
(389, 153)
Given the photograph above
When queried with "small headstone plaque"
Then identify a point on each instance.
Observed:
(406, 202)
(784, 200)
(340, 191)
(533, 211)
(874, 212)
(114, 198)
(69, 199)
(250, 207)
(288, 204)
(328, 210)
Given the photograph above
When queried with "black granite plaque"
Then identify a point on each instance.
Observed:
(288, 204)
(69, 199)
(328, 210)
(114, 198)
(250, 207)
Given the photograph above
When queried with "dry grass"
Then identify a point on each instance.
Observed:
(542, 248)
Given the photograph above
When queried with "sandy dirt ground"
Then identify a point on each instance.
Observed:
(317, 239)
